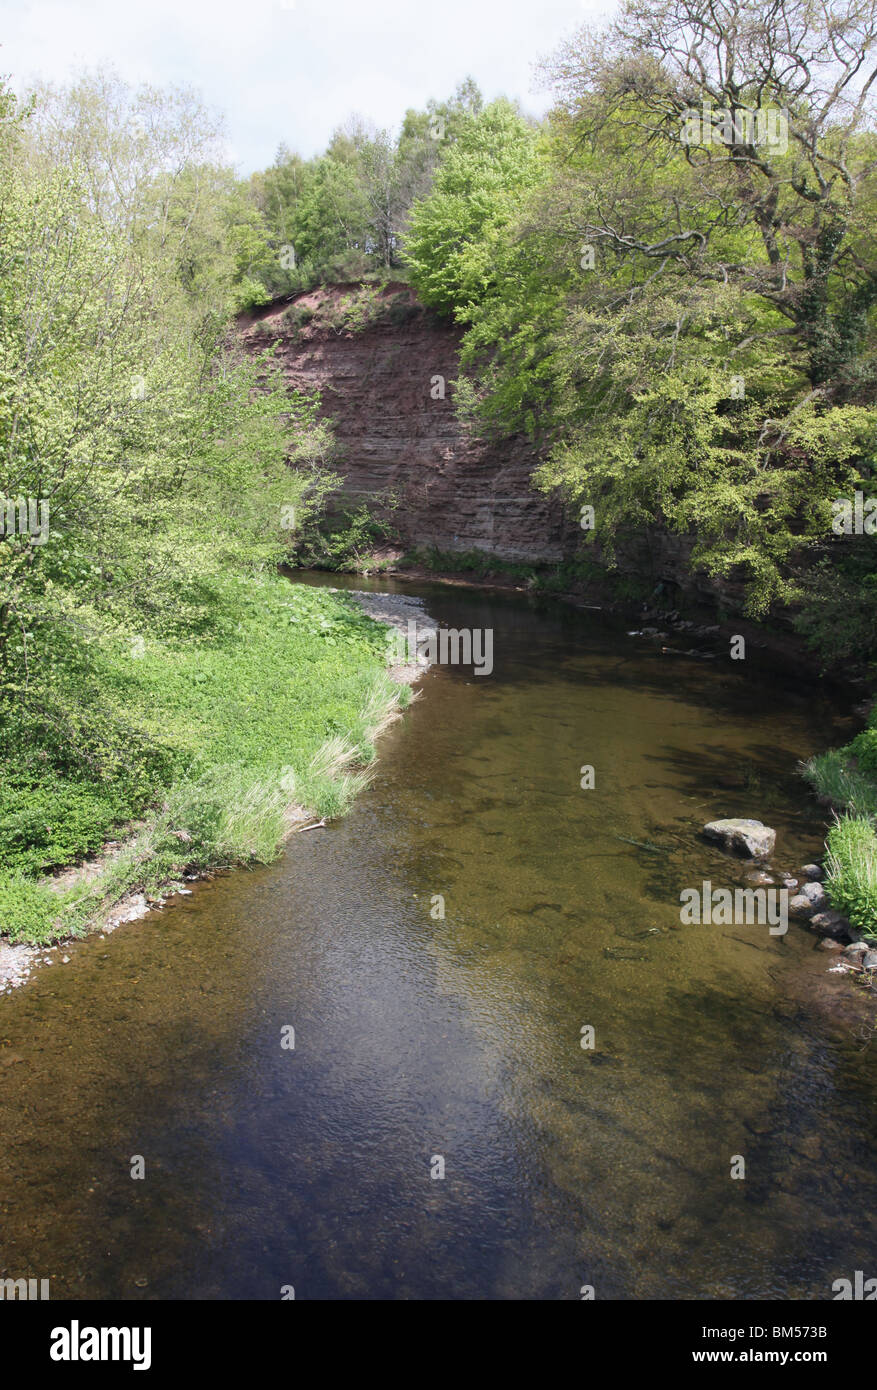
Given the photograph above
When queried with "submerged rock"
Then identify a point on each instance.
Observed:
(749, 837)
(813, 871)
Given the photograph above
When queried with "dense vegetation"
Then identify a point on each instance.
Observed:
(152, 662)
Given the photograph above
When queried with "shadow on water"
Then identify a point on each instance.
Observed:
(420, 1035)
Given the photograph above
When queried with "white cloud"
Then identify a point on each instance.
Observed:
(293, 74)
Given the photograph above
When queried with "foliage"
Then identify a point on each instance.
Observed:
(343, 537)
(153, 667)
(836, 776)
(343, 215)
(851, 882)
(476, 192)
(681, 315)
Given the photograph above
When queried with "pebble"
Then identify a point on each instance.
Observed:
(799, 906)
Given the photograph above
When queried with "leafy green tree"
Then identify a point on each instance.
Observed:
(140, 467)
(150, 164)
(344, 215)
(455, 232)
(681, 311)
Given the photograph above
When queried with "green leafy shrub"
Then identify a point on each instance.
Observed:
(28, 910)
(344, 538)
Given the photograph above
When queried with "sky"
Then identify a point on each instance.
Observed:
(293, 70)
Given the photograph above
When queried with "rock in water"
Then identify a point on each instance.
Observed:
(814, 893)
(830, 923)
(857, 948)
(749, 837)
(799, 906)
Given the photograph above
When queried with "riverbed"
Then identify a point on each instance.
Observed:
(438, 953)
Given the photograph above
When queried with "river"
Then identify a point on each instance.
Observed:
(420, 1037)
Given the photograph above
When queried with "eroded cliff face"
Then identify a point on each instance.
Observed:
(374, 357)
(397, 435)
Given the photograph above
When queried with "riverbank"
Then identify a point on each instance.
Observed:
(275, 727)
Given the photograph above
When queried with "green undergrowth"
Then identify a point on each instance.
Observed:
(847, 779)
(203, 747)
(479, 563)
(851, 881)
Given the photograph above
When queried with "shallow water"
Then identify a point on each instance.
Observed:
(460, 1037)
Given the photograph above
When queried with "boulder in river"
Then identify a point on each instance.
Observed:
(814, 893)
(812, 871)
(856, 948)
(799, 906)
(830, 924)
(748, 837)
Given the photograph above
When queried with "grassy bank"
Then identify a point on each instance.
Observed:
(847, 779)
(228, 738)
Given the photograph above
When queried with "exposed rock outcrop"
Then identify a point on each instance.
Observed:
(381, 383)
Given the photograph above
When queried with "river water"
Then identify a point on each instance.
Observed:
(419, 1037)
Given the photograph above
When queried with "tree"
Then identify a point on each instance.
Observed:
(151, 167)
(475, 196)
(142, 473)
(345, 214)
(682, 309)
(771, 112)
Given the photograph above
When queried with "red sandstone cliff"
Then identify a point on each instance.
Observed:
(395, 435)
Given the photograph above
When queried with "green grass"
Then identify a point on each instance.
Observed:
(479, 563)
(225, 734)
(847, 779)
(836, 776)
(851, 881)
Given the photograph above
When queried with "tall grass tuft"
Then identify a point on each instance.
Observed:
(851, 882)
(834, 777)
